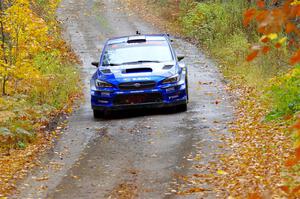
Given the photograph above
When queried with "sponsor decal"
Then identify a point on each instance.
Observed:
(137, 79)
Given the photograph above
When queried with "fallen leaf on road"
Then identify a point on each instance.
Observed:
(76, 177)
(221, 172)
(192, 190)
(42, 178)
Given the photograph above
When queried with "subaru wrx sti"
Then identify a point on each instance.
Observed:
(139, 71)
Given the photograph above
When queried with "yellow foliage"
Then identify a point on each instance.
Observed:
(272, 36)
(221, 172)
(282, 40)
(26, 35)
(295, 2)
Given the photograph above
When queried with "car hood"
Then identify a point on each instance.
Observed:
(137, 72)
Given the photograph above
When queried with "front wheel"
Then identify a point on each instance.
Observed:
(187, 89)
(98, 114)
(182, 108)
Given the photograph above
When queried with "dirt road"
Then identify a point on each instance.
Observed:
(133, 154)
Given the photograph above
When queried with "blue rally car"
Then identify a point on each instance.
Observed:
(139, 71)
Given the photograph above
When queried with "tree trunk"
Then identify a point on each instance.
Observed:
(3, 39)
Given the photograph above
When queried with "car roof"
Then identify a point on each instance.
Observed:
(138, 38)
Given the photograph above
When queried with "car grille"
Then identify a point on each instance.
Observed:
(137, 85)
(138, 98)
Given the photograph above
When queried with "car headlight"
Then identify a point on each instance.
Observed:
(172, 79)
(102, 84)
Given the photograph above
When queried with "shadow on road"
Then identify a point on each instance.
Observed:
(132, 113)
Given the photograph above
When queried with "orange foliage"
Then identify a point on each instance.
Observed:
(290, 27)
(254, 196)
(297, 125)
(265, 40)
(275, 20)
(296, 189)
(265, 49)
(295, 58)
(291, 162)
(297, 153)
(277, 45)
(248, 16)
(253, 55)
(260, 4)
(286, 189)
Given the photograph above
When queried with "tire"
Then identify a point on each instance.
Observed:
(182, 107)
(98, 114)
(187, 89)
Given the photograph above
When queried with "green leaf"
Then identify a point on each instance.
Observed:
(21, 145)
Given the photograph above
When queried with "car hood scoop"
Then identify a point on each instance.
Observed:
(137, 70)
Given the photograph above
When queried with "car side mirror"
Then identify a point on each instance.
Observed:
(95, 64)
(180, 57)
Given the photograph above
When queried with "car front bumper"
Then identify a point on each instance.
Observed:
(108, 99)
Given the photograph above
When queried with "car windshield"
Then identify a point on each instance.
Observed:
(135, 53)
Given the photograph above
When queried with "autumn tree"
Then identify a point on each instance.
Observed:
(22, 36)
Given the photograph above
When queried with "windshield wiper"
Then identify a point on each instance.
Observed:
(141, 61)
